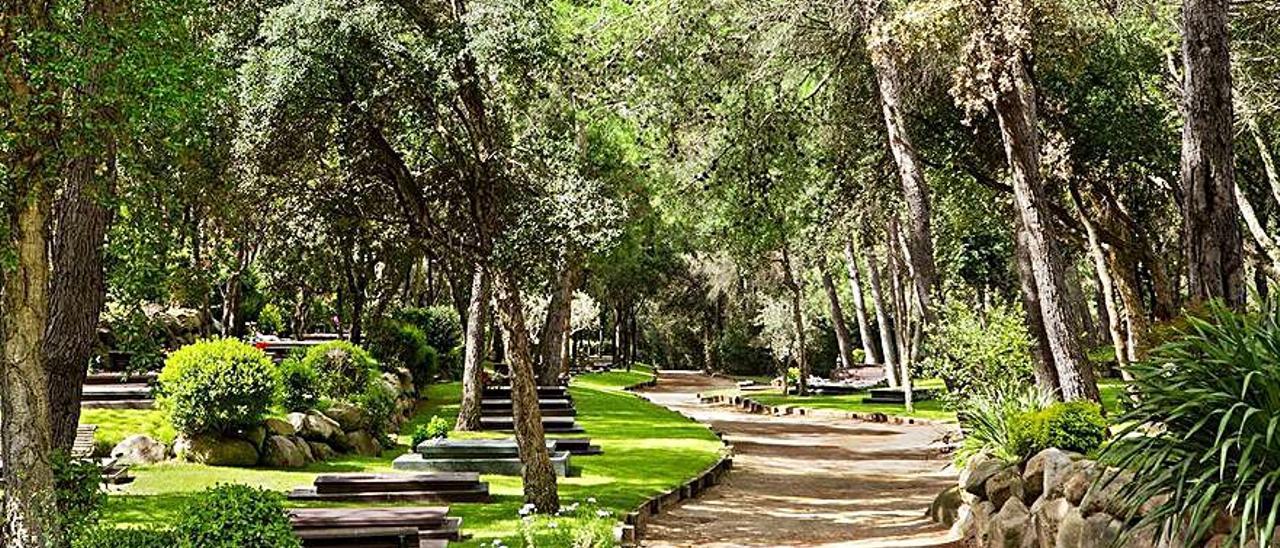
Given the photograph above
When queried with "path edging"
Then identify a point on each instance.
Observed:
(634, 525)
(752, 406)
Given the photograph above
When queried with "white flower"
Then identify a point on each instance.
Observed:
(552, 524)
(602, 513)
(592, 500)
(526, 509)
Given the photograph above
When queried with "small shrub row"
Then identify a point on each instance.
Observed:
(224, 516)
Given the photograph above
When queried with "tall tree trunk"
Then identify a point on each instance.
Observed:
(473, 366)
(1212, 244)
(1015, 107)
(1106, 284)
(1266, 243)
(24, 381)
(1042, 355)
(556, 325)
(538, 474)
(870, 353)
(884, 323)
(837, 320)
(1268, 161)
(914, 188)
(909, 330)
(797, 320)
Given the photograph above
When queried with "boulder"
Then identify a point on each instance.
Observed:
(406, 380)
(983, 514)
(977, 471)
(279, 427)
(216, 450)
(304, 447)
(1070, 530)
(315, 426)
(1004, 485)
(1010, 527)
(321, 451)
(1100, 531)
(363, 443)
(348, 417)
(1077, 484)
(280, 452)
(1046, 517)
(1105, 495)
(255, 435)
(1044, 471)
(139, 450)
(946, 507)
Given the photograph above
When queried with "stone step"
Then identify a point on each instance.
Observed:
(115, 392)
(577, 446)
(543, 403)
(365, 483)
(107, 377)
(504, 392)
(510, 466)
(479, 493)
(326, 524)
(118, 404)
(382, 536)
(571, 412)
(475, 448)
(549, 424)
(894, 395)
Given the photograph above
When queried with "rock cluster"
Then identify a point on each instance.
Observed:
(295, 441)
(1057, 499)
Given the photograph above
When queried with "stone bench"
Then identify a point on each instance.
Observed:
(551, 424)
(443, 487)
(504, 392)
(375, 527)
(896, 396)
(481, 456)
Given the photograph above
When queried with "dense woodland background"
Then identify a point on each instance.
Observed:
(984, 190)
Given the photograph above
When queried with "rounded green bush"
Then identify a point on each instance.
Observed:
(271, 319)
(1071, 426)
(217, 385)
(401, 344)
(236, 516)
(436, 428)
(299, 384)
(345, 369)
(441, 324)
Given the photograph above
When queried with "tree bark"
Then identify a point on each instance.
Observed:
(884, 324)
(473, 366)
(1106, 284)
(870, 353)
(915, 190)
(538, 474)
(1259, 233)
(556, 325)
(1212, 243)
(797, 320)
(1268, 162)
(1042, 355)
(837, 320)
(24, 382)
(1016, 112)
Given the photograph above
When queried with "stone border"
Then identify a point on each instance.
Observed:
(634, 525)
(751, 406)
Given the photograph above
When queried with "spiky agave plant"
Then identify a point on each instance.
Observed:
(988, 417)
(1205, 430)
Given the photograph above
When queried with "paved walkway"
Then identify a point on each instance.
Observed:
(806, 481)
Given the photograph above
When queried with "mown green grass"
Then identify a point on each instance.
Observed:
(647, 449)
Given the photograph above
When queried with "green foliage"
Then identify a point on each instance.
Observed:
(401, 344)
(378, 400)
(79, 495)
(236, 516)
(299, 384)
(1071, 426)
(115, 537)
(344, 368)
(972, 349)
(271, 319)
(217, 385)
(436, 428)
(1205, 429)
(440, 324)
(991, 421)
(133, 332)
(577, 525)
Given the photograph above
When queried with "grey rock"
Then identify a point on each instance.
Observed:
(1077, 484)
(279, 427)
(1047, 516)
(406, 380)
(1070, 530)
(1105, 494)
(139, 450)
(945, 508)
(280, 452)
(1045, 470)
(303, 446)
(983, 514)
(348, 417)
(255, 435)
(363, 443)
(1010, 527)
(216, 450)
(977, 471)
(315, 426)
(1004, 485)
(321, 451)
(1100, 531)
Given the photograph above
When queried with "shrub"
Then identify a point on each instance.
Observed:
(113, 537)
(217, 385)
(299, 384)
(345, 370)
(972, 348)
(78, 493)
(441, 324)
(379, 402)
(1203, 434)
(451, 364)
(991, 421)
(271, 320)
(1072, 426)
(236, 516)
(400, 344)
(436, 428)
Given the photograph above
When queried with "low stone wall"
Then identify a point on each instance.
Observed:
(1056, 499)
(751, 406)
(298, 439)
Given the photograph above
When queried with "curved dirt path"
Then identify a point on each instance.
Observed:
(806, 481)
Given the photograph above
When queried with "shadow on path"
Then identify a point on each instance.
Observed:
(806, 481)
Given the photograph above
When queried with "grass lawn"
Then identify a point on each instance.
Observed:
(646, 449)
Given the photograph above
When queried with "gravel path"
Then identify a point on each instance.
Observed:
(806, 481)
